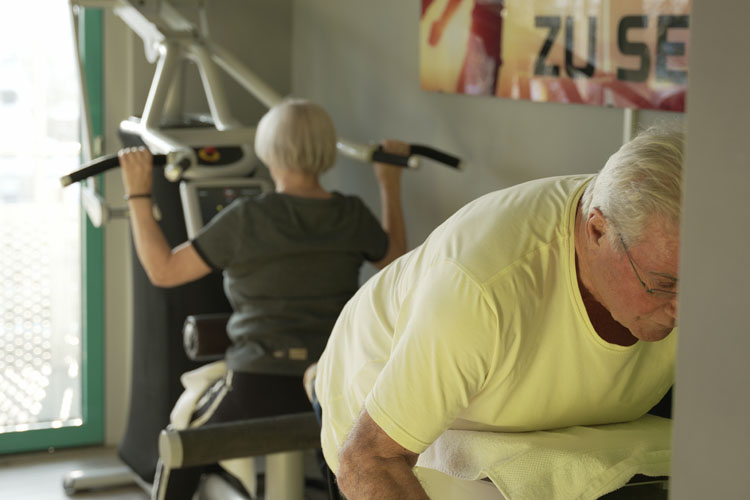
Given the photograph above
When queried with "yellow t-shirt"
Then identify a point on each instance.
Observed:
(482, 327)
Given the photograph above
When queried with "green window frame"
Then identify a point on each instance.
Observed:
(92, 265)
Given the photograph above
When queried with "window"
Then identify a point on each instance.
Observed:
(50, 328)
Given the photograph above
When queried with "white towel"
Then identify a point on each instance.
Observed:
(196, 382)
(575, 463)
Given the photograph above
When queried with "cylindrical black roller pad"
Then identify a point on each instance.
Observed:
(434, 154)
(205, 336)
(99, 165)
(243, 438)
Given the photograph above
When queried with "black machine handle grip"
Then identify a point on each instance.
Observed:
(437, 155)
(379, 155)
(100, 165)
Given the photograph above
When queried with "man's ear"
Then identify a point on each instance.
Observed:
(597, 226)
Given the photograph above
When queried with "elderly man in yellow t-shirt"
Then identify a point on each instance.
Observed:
(544, 305)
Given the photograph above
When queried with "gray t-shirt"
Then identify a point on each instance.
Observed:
(290, 264)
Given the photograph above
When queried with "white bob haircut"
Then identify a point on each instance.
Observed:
(298, 135)
(642, 180)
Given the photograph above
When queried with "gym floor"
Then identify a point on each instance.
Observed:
(38, 476)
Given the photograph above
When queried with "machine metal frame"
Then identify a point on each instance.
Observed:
(170, 39)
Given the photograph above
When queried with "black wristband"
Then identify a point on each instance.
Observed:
(137, 195)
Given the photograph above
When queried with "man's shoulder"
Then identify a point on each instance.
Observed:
(500, 227)
(533, 190)
(548, 194)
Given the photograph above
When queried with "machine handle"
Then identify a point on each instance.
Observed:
(99, 165)
(104, 163)
(434, 154)
(379, 155)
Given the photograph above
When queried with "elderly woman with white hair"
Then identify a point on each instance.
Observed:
(291, 260)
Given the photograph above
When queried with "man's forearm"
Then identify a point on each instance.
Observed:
(372, 466)
(380, 479)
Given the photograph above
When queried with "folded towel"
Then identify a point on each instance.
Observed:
(575, 463)
(196, 383)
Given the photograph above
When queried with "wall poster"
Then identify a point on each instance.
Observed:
(621, 53)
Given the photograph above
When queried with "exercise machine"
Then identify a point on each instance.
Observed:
(170, 40)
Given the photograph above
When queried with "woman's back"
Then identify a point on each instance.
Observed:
(290, 264)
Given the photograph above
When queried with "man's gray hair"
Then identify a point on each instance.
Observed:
(296, 134)
(642, 179)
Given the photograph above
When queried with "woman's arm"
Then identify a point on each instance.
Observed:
(165, 267)
(392, 214)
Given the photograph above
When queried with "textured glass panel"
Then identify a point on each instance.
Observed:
(40, 274)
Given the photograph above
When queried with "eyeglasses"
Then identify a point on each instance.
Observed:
(656, 292)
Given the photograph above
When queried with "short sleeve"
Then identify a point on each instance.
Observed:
(446, 339)
(218, 241)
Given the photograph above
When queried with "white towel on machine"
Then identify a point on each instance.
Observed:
(575, 463)
(196, 382)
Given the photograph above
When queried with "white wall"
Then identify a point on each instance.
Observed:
(360, 59)
(712, 392)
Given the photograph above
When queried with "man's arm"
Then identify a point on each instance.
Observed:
(444, 321)
(374, 466)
